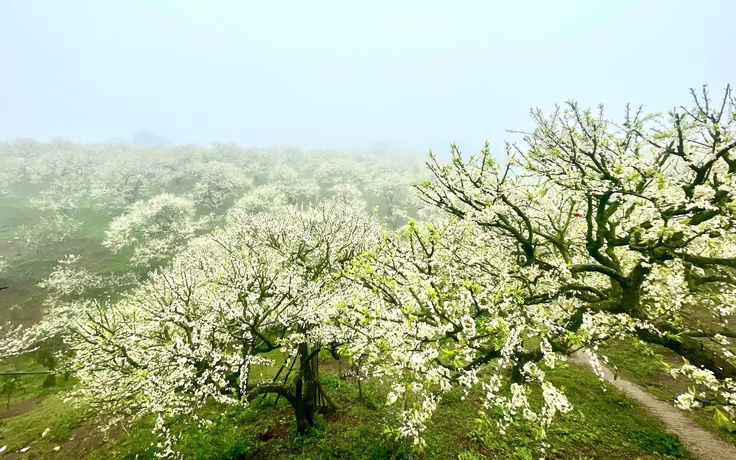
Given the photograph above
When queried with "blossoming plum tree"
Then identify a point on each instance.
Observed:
(202, 328)
(155, 228)
(261, 199)
(630, 226)
(434, 305)
(217, 182)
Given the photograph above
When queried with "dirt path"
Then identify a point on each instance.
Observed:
(697, 440)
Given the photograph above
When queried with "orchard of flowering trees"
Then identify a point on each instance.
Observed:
(83, 223)
(589, 230)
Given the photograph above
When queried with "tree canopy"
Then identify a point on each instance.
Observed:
(629, 225)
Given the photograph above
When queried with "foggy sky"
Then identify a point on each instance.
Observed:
(416, 74)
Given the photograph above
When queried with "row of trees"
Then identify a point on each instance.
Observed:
(156, 199)
(591, 230)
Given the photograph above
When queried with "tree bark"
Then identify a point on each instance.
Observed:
(692, 350)
(302, 396)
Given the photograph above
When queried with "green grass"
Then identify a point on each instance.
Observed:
(14, 389)
(27, 429)
(603, 425)
(606, 424)
(646, 365)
